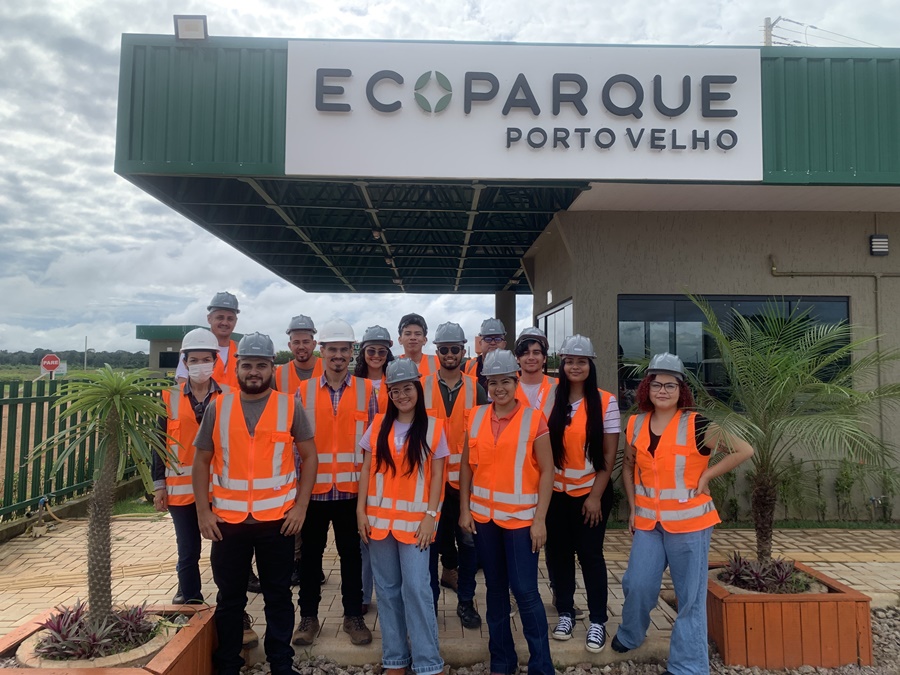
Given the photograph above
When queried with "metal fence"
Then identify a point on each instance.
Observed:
(27, 417)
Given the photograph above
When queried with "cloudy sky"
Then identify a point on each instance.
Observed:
(84, 253)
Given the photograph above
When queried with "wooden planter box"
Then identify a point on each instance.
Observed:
(787, 631)
(188, 653)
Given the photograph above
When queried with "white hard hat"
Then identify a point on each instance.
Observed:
(200, 339)
(256, 344)
(577, 345)
(337, 330)
(500, 362)
(400, 370)
(666, 363)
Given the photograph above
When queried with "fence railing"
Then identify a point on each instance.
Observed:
(27, 417)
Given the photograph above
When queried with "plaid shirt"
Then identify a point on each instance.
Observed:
(334, 494)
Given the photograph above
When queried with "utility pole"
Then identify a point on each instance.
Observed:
(768, 28)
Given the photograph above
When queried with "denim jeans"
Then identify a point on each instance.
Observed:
(230, 561)
(409, 631)
(367, 579)
(687, 556)
(466, 562)
(567, 534)
(187, 539)
(509, 564)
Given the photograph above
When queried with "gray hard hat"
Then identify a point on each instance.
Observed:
(500, 362)
(577, 345)
(492, 326)
(376, 334)
(668, 364)
(301, 322)
(400, 370)
(256, 344)
(533, 333)
(224, 300)
(412, 320)
(449, 333)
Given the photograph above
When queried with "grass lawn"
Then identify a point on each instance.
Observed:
(132, 506)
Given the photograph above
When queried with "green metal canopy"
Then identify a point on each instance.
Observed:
(201, 127)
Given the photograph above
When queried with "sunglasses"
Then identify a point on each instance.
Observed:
(455, 349)
(372, 351)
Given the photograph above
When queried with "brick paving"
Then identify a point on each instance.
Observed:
(37, 573)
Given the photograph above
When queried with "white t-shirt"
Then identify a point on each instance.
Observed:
(400, 431)
(182, 370)
(533, 394)
(612, 421)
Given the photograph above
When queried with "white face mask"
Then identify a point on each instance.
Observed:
(200, 372)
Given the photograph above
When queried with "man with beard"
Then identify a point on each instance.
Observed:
(340, 407)
(305, 365)
(450, 396)
(258, 503)
(222, 318)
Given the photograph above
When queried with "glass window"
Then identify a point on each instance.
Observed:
(557, 324)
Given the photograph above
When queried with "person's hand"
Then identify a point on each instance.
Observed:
(703, 485)
(631, 523)
(538, 535)
(591, 510)
(293, 520)
(425, 532)
(362, 524)
(209, 525)
(466, 522)
(160, 500)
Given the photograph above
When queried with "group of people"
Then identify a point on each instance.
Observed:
(478, 463)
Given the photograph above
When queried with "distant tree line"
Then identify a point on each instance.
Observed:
(75, 359)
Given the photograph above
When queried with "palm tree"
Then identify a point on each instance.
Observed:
(796, 384)
(122, 411)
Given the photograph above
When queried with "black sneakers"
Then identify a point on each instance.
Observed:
(467, 614)
(596, 638)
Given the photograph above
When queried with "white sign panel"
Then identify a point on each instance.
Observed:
(508, 111)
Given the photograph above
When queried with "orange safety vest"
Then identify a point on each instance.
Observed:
(547, 392)
(337, 435)
(665, 483)
(455, 425)
(396, 503)
(182, 426)
(286, 378)
(576, 478)
(428, 365)
(255, 474)
(506, 477)
(471, 367)
(226, 373)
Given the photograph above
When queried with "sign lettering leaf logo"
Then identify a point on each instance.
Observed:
(443, 83)
(423, 102)
(443, 103)
(424, 79)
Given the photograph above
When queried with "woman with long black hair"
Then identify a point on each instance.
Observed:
(399, 498)
(584, 437)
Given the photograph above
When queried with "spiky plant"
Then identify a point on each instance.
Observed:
(122, 411)
(797, 384)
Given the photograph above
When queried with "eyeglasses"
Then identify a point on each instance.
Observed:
(399, 392)
(374, 351)
(455, 349)
(670, 387)
(493, 339)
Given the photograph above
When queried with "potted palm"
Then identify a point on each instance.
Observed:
(794, 384)
(121, 410)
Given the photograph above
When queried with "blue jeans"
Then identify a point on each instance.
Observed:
(405, 606)
(187, 539)
(509, 564)
(367, 580)
(687, 556)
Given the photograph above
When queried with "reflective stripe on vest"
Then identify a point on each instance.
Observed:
(665, 482)
(339, 457)
(517, 499)
(578, 473)
(396, 502)
(181, 425)
(265, 490)
(455, 423)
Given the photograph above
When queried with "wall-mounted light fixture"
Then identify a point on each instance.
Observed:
(878, 244)
(190, 27)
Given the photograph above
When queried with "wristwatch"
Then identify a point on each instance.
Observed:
(433, 514)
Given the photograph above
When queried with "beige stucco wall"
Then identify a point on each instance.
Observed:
(593, 257)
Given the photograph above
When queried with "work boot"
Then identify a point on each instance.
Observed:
(450, 579)
(250, 639)
(253, 584)
(467, 614)
(178, 598)
(306, 632)
(355, 627)
(295, 574)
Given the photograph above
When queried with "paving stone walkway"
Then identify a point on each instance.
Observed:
(37, 573)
